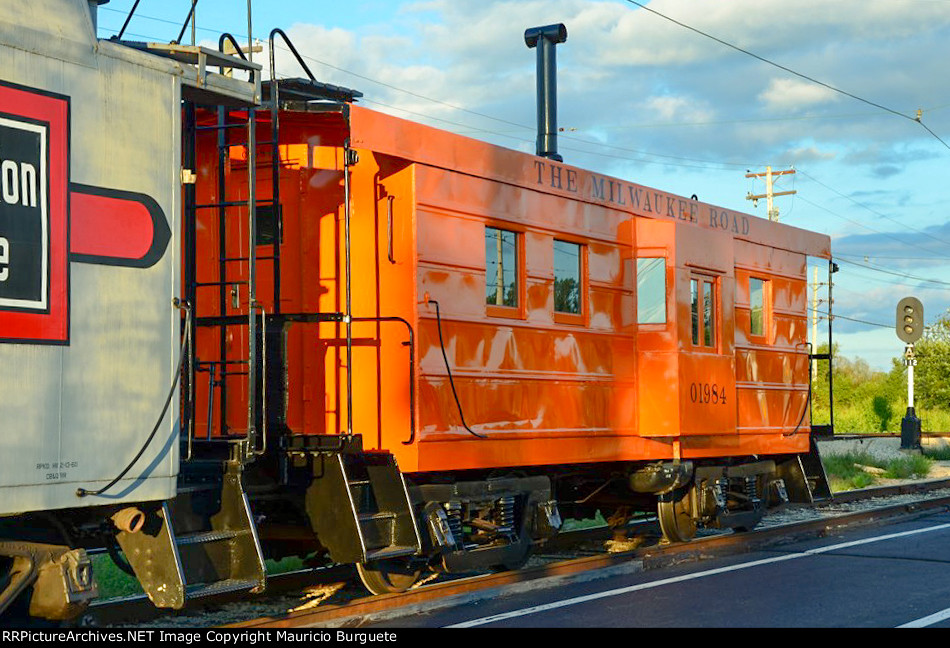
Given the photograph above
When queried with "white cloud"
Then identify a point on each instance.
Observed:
(669, 108)
(794, 94)
(640, 83)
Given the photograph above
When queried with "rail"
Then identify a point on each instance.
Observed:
(137, 608)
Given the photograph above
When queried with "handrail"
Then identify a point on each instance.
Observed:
(237, 47)
(293, 50)
(127, 19)
(389, 226)
(349, 158)
(190, 405)
(412, 370)
(263, 449)
(191, 12)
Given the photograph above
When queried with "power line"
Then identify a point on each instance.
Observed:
(892, 272)
(873, 211)
(497, 119)
(525, 127)
(859, 224)
(882, 280)
(850, 319)
(916, 118)
(895, 258)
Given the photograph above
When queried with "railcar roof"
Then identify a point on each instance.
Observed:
(390, 135)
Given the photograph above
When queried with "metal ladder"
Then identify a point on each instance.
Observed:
(205, 540)
(235, 288)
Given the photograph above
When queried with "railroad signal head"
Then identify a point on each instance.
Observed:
(910, 319)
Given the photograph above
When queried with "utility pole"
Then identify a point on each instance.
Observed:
(814, 323)
(769, 190)
(815, 302)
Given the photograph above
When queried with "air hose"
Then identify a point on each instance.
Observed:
(185, 345)
(438, 320)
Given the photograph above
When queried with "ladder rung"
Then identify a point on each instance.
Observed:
(221, 127)
(221, 587)
(232, 203)
(257, 258)
(368, 517)
(208, 536)
(240, 319)
(205, 284)
(392, 551)
(259, 143)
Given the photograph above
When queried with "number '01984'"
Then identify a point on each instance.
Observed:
(707, 393)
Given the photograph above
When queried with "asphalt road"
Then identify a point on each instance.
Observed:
(887, 576)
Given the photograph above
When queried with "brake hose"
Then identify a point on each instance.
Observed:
(438, 320)
(185, 344)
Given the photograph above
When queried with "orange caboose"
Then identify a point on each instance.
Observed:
(503, 334)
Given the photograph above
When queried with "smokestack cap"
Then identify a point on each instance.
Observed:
(555, 33)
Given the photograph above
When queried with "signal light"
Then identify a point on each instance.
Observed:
(910, 319)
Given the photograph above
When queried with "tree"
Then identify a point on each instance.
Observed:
(865, 399)
(566, 295)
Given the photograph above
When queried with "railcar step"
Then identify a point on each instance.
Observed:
(379, 521)
(220, 587)
(383, 515)
(391, 551)
(209, 536)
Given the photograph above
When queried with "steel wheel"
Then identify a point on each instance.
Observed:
(674, 512)
(388, 576)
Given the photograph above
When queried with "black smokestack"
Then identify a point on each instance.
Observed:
(544, 39)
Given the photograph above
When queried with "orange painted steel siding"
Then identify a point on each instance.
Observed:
(772, 370)
(543, 391)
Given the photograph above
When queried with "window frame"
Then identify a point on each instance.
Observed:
(702, 279)
(577, 319)
(765, 336)
(511, 312)
(667, 282)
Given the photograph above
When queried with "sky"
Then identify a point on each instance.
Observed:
(831, 89)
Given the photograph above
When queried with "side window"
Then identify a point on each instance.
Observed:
(568, 278)
(709, 313)
(501, 267)
(758, 306)
(704, 302)
(651, 290)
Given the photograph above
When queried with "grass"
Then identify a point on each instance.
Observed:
(938, 454)
(113, 582)
(576, 525)
(844, 471)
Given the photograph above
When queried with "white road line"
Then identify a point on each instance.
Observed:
(929, 620)
(679, 579)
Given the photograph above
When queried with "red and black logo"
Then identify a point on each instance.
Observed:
(46, 222)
